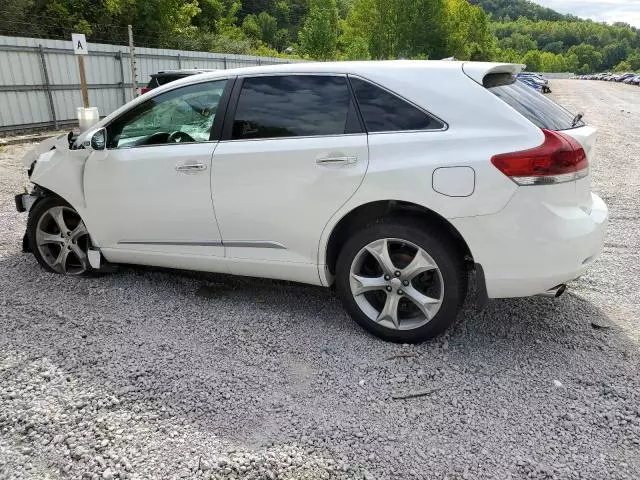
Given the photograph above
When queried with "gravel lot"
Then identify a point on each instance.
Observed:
(159, 374)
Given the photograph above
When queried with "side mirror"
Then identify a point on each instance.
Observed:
(99, 139)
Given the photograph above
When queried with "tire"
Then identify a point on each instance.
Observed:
(58, 237)
(359, 269)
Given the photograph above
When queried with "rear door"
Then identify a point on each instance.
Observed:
(293, 151)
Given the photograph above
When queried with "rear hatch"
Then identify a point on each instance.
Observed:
(548, 115)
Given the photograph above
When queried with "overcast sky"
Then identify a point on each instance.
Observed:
(599, 10)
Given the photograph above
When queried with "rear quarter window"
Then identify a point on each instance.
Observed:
(538, 109)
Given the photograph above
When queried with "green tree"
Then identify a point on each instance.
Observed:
(519, 42)
(469, 36)
(319, 35)
(623, 66)
(261, 27)
(634, 60)
(533, 60)
(615, 53)
(357, 49)
(587, 55)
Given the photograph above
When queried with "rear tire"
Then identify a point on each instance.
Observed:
(58, 237)
(401, 281)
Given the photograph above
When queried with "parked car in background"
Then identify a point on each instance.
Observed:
(535, 81)
(391, 180)
(630, 78)
(166, 76)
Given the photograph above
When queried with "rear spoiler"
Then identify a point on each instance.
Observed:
(478, 70)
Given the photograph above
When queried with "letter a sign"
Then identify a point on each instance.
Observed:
(79, 43)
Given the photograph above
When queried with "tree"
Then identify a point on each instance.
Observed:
(519, 42)
(587, 55)
(533, 60)
(634, 60)
(319, 35)
(623, 66)
(615, 53)
(357, 49)
(469, 34)
(261, 27)
(553, 47)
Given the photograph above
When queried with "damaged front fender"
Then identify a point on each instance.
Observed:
(59, 169)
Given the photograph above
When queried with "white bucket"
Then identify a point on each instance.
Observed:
(87, 117)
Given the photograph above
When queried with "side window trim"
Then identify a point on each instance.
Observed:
(215, 133)
(230, 114)
(391, 92)
(221, 114)
(234, 97)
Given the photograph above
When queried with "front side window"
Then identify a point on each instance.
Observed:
(294, 106)
(382, 111)
(183, 115)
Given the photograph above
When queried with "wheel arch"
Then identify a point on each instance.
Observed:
(368, 213)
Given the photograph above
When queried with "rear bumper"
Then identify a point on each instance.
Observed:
(528, 248)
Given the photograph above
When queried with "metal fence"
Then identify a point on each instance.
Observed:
(40, 81)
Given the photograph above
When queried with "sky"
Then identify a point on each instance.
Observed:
(600, 10)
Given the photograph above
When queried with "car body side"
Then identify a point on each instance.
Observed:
(447, 172)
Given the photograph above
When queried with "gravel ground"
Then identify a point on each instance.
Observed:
(157, 374)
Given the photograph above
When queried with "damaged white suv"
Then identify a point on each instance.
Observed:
(389, 180)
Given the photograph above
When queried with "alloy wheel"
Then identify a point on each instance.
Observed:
(63, 241)
(396, 284)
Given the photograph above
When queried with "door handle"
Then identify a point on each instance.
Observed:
(190, 167)
(338, 160)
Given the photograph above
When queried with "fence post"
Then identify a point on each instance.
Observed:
(132, 53)
(47, 85)
(224, 62)
(179, 62)
(124, 89)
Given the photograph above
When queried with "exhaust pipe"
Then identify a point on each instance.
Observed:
(554, 292)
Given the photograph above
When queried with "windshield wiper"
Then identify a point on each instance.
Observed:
(577, 119)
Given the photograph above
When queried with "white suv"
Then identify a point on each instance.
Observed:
(388, 180)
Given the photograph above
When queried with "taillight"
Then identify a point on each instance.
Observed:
(559, 159)
(144, 90)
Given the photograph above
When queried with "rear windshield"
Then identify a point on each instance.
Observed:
(163, 79)
(534, 106)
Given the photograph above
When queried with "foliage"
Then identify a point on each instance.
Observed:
(512, 9)
(319, 35)
(518, 31)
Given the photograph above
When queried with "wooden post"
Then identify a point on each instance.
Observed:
(83, 82)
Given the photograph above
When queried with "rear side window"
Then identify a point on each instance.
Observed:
(538, 109)
(294, 106)
(383, 111)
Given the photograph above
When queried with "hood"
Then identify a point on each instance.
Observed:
(59, 142)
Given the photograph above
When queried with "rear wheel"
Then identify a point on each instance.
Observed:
(401, 282)
(58, 237)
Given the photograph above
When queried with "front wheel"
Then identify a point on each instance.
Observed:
(400, 281)
(58, 237)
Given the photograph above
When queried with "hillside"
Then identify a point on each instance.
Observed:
(518, 31)
(513, 9)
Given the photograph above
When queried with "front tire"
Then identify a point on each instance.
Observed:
(58, 237)
(401, 281)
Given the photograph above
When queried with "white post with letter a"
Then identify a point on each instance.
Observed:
(87, 116)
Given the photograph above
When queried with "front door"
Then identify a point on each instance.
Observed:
(293, 153)
(148, 194)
